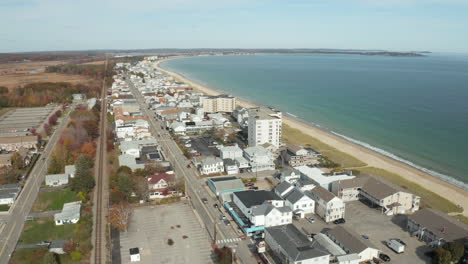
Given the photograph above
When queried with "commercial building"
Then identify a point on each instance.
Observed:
(223, 187)
(264, 126)
(259, 158)
(14, 143)
(218, 104)
(351, 242)
(211, 165)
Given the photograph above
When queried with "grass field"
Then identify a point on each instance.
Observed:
(41, 229)
(295, 136)
(462, 218)
(53, 200)
(428, 198)
(4, 207)
(35, 255)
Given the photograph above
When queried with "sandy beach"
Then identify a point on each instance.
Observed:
(453, 193)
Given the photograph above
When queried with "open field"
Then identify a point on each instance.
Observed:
(94, 62)
(35, 255)
(41, 229)
(53, 200)
(16, 74)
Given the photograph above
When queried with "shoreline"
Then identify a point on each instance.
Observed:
(451, 192)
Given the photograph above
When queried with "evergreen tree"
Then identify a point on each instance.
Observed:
(84, 179)
(442, 256)
(456, 250)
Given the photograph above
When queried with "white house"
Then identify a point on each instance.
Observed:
(320, 177)
(259, 158)
(230, 166)
(178, 128)
(295, 199)
(211, 165)
(327, 205)
(290, 176)
(56, 179)
(70, 214)
(230, 152)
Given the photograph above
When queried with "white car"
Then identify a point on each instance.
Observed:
(193, 151)
(188, 145)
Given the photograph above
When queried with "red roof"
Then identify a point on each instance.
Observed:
(153, 179)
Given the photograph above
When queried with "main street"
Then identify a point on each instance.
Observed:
(195, 187)
(14, 220)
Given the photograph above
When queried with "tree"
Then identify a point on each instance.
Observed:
(17, 161)
(140, 185)
(119, 216)
(223, 255)
(55, 166)
(442, 256)
(456, 249)
(53, 120)
(83, 180)
(50, 258)
(69, 246)
(89, 149)
(47, 129)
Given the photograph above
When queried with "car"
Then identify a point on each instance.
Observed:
(365, 236)
(339, 221)
(43, 243)
(204, 200)
(249, 184)
(384, 257)
(215, 205)
(226, 222)
(188, 145)
(310, 219)
(253, 188)
(215, 143)
(197, 154)
(193, 151)
(188, 166)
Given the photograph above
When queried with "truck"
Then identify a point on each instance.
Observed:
(396, 246)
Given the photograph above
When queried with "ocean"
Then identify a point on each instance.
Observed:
(413, 109)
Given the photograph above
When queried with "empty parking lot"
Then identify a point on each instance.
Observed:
(166, 234)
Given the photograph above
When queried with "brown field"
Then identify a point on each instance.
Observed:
(94, 62)
(13, 75)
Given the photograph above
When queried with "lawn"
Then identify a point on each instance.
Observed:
(41, 229)
(295, 136)
(461, 218)
(428, 198)
(4, 207)
(35, 255)
(53, 200)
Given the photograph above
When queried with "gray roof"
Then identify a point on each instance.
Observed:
(252, 198)
(294, 196)
(69, 211)
(327, 243)
(9, 190)
(266, 208)
(378, 189)
(70, 169)
(282, 187)
(323, 193)
(295, 244)
(56, 177)
(211, 161)
(57, 243)
(349, 240)
(226, 183)
(229, 162)
(440, 224)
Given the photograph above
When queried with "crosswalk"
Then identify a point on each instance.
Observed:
(228, 240)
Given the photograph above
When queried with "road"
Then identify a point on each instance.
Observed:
(196, 190)
(14, 221)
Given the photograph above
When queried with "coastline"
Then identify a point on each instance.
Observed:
(451, 192)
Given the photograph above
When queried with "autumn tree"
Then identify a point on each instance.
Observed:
(17, 161)
(55, 166)
(89, 149)
(47, 129)
(140, 185)
(52, 120)
(119, 216)
(84, 179)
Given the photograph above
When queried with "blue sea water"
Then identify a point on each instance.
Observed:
(414, 109)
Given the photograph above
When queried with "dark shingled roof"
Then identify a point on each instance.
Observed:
(251, 198)
(323, 193)
(440, 224)
(295, 243)
(349, 239)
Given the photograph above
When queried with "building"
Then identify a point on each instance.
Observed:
(264, 126)
(353, 243)
(211, 165)
(321, 178)
(161, 185)
(337, 254)
(56, 246)
(327, 205)
(70, 170)
(389, 197)
(230, 152)
(259, 158)
(223, 187)
(435, 228)
(218, 104)
(296, 155)
(56, 179)
(299, 203)
(289, 175)
(292, 246)
(134, 255)
(230, 166)
(70, 214)
(9, 193)
(267, 215)
(15, 143)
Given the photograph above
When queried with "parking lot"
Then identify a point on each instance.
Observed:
(378, 227)
(166, 234)
(203, 146)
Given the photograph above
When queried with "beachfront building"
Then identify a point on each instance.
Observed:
(327, 205)
(259, 158)
(264, 126)
(296, 155)
(322, 178)
(218, 104)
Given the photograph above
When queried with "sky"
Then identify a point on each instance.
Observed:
(397, 25)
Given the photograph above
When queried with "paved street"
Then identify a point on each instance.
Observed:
(14, 222)
(207, 213)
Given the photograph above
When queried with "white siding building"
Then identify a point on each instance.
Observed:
(264, 126)
(327, 205)
(211, 165)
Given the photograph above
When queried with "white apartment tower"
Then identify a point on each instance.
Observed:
(218, 104)
(264, 126)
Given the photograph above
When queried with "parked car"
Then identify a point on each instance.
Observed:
(215, 205)
(253, 188)
(226, 222)
(310, 219)
(188, 145)
(249, 184)
(188, 166)
(339, 221)
(384, 257)
(197, 154)
(204, 200)
(365, 236)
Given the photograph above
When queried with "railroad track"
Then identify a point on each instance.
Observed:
(98, 258)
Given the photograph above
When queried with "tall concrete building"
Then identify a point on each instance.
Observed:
(264, 126)
(218, 104)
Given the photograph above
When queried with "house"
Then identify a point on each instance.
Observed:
(435, 228)
(259, 158)
(9, 193)
(78, 97)
(296, 155)
(327, 205)
(230, 152)
(211, 165)
(283, 189)
(223, 187)
(56, 246)
(70, 170)
(178, 128)
(242, 163)
(161, 185)
(267, 215)
(348, 190)
(321, 178)
(264, 126)
(337, 254)
(351, 242)
(56, 179)
(291, 246)
(70, 214)
(300, 203)
(289, 175)
(230, 166)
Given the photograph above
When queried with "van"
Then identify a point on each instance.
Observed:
(395, 246)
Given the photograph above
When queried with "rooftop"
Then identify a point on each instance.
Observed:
(349, 239)
(252, 198)
(322, 193)
(69, 211)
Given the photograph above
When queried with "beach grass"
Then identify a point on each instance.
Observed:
(53, 200)
(295, 136)
(44, 229)
(461, 218)
(428, 198)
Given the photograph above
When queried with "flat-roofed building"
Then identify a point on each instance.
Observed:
(296, 155)
(264, 126)
(223, 187)
(351, 242)
(218, 104)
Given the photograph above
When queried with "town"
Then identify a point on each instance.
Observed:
(198, 178)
